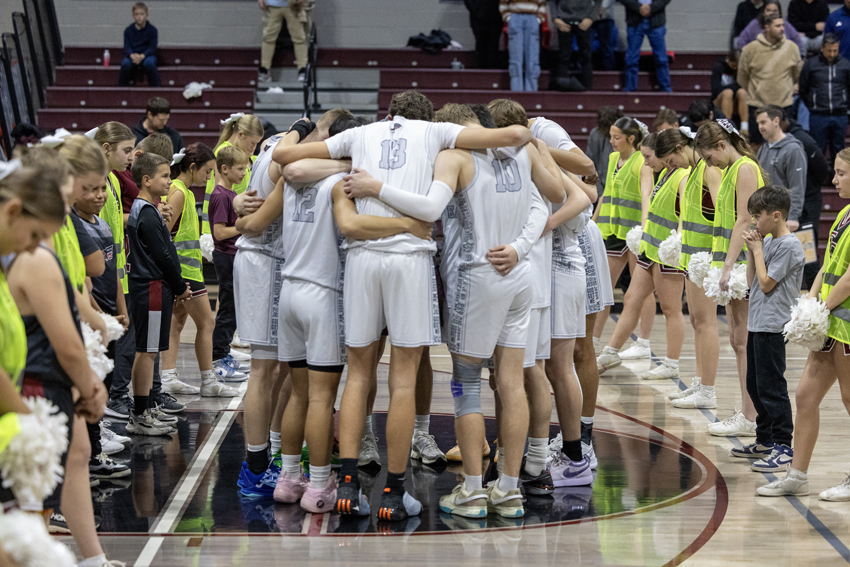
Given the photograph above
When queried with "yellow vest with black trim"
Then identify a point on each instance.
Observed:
(662, 217)
(67, 247)
(13, 354)
(834, 267)
(697, 230)
(726, 214)
(113, 213)
(238, 189)
(187, 238)
(622, 210)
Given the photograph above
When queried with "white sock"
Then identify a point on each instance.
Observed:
(367, 428)
(745, 125)
(472, 482)
(587, 420)
(799, 475)
(535, 461)
(610, 350)
(95, 561)
(706, 389)
(257, 448)
(501, 464)
(596, 341)
(290, 465)
(319, 476)
(274, 439)
(169, 374)
(507, 483)
(422, 424)
(671, 363)
(643, 342)
(208, 376)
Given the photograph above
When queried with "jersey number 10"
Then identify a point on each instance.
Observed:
(507, 175)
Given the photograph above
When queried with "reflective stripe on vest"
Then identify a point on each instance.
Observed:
(187, 238)
(239, 188)
(834, 267)
(67, 247)
(623, 211)
(726, 213)
(13, 334)
(697, 231)
(661, 217)
(113, 213)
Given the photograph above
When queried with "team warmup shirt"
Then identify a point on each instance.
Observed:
(221, 211)
(312, 243)
(154, 254)
(269, 242)
(401, 154)
(104, 287)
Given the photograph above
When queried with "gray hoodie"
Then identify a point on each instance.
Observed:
(785, 163)
(577, 10)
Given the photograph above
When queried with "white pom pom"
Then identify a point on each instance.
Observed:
(670, 249)
(96, 352)
(698, 267)
(114, 329)
(207, 246)
(737, 288)
(809, 323)
(26, 541)
(633, 239)
(738, 284)
(30, 464)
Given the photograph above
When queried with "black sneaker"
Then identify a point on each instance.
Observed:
(302, 74)
(58, 525)
(102, 466)
(347, 497)
(93, 481)
(166, 403)
(117, 408)
(540, 485)
(397, 507)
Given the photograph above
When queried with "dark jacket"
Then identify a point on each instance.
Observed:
(657, 17)
(577, 10)
(805, 16)
(140, 40)
(723, 77)
(817, 174)
(484, 10)
(824, 85)
(141, 134)
(745, 14)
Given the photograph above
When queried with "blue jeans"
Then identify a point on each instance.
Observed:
(635, 37)
(603, 30)
(149, 67)
(524, 51)
(828, 131)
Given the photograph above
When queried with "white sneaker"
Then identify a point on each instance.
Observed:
(701, 398)
(840, 493)
(227, 372)
(146, 424)
(736, 425)
(107, 433)
(589, 454)
(554, 450)
(790, 485)
(424, 447)
(171, 384)
(695, 383)
(607, 360)
(368, 451)
(236, 343)
(216, 389)
(108, 447)
(163, 417)
(661, 372)
(640, 349)
(240, 356)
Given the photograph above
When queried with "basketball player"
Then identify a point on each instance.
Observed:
(391, 282)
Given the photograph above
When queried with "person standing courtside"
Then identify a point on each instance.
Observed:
(297, 16)
(573, 19)
(486, 23)
(523, 18)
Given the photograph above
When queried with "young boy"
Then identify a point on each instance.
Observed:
(231, 163)
(155, 284)
(775, 262)
(140, 42)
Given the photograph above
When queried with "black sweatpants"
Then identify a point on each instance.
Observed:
(225, 319)
(768, 389)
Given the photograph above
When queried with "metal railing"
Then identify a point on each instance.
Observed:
(311, 89)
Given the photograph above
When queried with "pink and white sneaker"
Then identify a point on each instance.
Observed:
(320, 501)
(289, 490)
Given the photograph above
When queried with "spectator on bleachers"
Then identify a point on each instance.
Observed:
(727, 93)
(700, 112)
(824, 87)
(809, 17)
(599, 142)
(603, 25)
(573, 19)
(156, 118)
(140, 42)
(666, 119)
(486, 23)
(783, 159)
(754, 28)
(838, 23)
(523, 18)
(748, 10)
(646, 18)
(768, 70)
(297, 16)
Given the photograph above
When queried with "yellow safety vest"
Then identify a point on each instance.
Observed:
(187, 238)
(834, 266)
(13, 355)
(621, 201)
(697, 230)
(662, 217)
(726, 214)
(113, 213)
(67, 247)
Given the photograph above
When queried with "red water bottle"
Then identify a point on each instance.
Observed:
(106, 58)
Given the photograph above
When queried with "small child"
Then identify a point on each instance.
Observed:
(155, 284)
(775, 267)
(140, 43)
(232, 165)
(523, 18)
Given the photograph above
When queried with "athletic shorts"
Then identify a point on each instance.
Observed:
(396, 291)
(615, 246)
(151, 305)
(35, 386)
(644, 262)
(568, 301)
(490, 310)
(312, 327)
(830, 344)
(257, 281)
(198, 288)
(600, 293)
(538, 344)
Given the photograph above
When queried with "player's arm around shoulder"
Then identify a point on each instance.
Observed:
(545, 172)
(482, 138)
(355, 226)
(272, 208)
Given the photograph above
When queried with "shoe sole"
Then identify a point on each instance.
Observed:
(505, 513)
(284, 501)
(392, 515)
(466, 511)
(172, 411)
(679, 395)
(427, 460)
(780, 468)
(840, 499)
(112, 413)
(632, 357)
(764, 456)
(217, 396)
(647, 376)
(107, 476)
(584, 480)
(150, 433)
(695, 406)
(806, 493)
(181, 391)
(733, 434)
(57, 530)
(538, 491)
(604, 369)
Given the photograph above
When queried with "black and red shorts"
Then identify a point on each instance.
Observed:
(151, 305)
(198, 288)
(615, 246)
(644, 262)
(831, 343)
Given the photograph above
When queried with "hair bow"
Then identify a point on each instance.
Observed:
(728, 126)
(687, 132)
(7, 167)
(55, 139)
(91, 133)
(178, 157)
(233, 118)
(643, 128)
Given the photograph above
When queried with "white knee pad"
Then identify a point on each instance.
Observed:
(466, 387)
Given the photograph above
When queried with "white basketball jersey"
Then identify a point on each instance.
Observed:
(565, 248)
(269, 242)
(540, 258)
(311, 240)
(400, 153)
(552, 134)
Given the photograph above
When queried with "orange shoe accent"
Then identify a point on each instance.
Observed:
(348, 478)
(387, 489)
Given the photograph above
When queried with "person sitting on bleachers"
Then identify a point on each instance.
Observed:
(156, 120)
(140, 41)
(700, 112)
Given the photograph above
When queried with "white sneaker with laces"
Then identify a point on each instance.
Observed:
(147, 424)
(368, 451)
(736, 425)
(171, 384)
(236, 343)
(701, 398)
(554, 450)
(840, 493)
(107, 433)
(589, 454)
(640, 349)
(217, 389)
(424, 447)
(597, 346)
(162, 416)
(661, 372)
(695, 382)
(240, 356)
(794, 483)
(607, 360)
(109, 447)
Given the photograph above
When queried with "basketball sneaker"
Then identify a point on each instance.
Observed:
(778, 460)
(262, 485)
(462, 502)
(752, 451)
(554, 449)
(663, 371)
(795, 483)
(589, 454)
(217, 389)
(319, 501)
(240, 356)
(736, 425)
(368, 451)
(568, 473)
(101, 466)
(640, 349)
(348, 497)
(107, 433)
(840, 493)
(288, 490)
(609, 359)
(679, 394)
(395, 507)
(424, 447)
(171, 384)
(539, 485)
(454, 455)
(506, 504)
(147, 424)
(226, 373)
